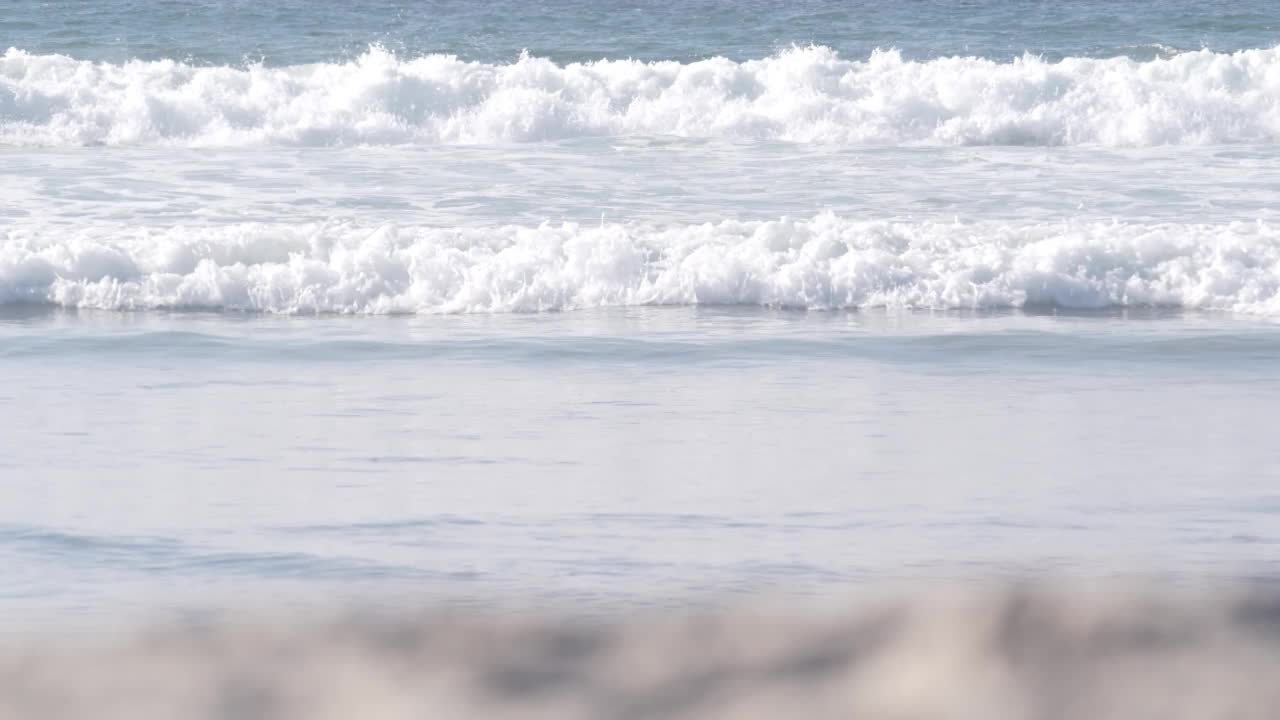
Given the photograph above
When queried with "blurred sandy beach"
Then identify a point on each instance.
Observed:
(1021, 653)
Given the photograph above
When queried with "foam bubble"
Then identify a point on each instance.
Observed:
(821, 263)
(802, 95)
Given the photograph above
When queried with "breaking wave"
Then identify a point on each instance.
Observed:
(821, 263)
(806, 94)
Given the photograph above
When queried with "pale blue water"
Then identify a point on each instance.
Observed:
(616, 459)
(295, 309)
(297, 31)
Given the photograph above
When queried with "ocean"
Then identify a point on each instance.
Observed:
(624, 306)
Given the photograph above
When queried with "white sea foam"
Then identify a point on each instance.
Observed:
(804, 95)
(826, 262)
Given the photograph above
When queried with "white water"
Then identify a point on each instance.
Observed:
(826, 262)
(807, 94)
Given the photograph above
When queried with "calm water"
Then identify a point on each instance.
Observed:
(305, 301)
(608, 458)
(298, 31)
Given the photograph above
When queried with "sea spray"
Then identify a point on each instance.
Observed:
(804, 95)
(826, 262)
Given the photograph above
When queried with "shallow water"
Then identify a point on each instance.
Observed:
(614, 459)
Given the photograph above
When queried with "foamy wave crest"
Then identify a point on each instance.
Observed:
(826, 262)
(803, 95)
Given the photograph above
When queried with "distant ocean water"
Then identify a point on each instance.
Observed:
(620, 304)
